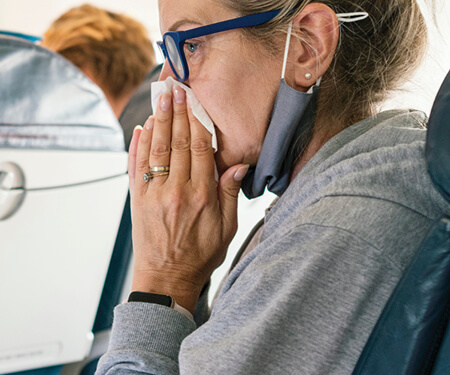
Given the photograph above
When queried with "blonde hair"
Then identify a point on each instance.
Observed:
(374, 56)
(113, 47)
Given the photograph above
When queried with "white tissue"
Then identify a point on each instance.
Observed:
(160, 87)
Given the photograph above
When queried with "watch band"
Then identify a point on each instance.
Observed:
(159, 299)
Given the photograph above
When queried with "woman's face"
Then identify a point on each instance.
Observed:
(234, 79)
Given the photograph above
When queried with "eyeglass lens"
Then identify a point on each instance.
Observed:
(174, 56)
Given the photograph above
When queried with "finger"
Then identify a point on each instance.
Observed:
(202, 153)
(143, 150)
(180, 155)
(132, 158)
(228, 192)
(161, 137)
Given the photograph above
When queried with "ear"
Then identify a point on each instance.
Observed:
(312, 51)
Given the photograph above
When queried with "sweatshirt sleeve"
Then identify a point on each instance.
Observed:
(145, 339)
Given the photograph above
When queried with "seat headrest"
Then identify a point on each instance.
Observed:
(46, 102)
(438, 140)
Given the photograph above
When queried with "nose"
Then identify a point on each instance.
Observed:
(166, 71)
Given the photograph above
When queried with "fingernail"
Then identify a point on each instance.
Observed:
(240, 173)
(137, 127)
(179, 95)
(149, 123)
(166, 102)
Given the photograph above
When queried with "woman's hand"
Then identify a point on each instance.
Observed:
(183, 222)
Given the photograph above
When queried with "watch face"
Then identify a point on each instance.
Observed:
(159, 299)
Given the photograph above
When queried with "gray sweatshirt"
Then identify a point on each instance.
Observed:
(330, 253)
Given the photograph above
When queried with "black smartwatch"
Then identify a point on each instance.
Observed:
(159, 299)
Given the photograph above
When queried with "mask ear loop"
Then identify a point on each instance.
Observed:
(286, 49)
(351, 17)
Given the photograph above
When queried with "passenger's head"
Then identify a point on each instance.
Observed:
(112, 49)
(236, 73)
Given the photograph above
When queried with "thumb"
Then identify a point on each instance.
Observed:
(228, 191)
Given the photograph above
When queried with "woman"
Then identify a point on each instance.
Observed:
(355, 198)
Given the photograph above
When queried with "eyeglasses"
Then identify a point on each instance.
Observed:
(172, 45)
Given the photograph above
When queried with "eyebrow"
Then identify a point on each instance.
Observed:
(182, 22)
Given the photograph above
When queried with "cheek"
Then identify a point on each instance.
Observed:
(239, 101)
(232, 129)
(223, 100)
(231, 111)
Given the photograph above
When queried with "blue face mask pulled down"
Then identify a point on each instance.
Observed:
(288, 134)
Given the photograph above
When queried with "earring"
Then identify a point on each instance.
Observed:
(308, 75)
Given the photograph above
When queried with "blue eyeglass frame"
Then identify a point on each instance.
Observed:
(179, 37)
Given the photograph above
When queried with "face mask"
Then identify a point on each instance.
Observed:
(289, 131)
(274, 166)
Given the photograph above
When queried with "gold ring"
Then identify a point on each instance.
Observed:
(159, 174)
(163, 168)
(147, 177)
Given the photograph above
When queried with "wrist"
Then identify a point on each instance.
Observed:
(185, 293)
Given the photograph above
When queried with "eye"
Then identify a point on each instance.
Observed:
(191, 47)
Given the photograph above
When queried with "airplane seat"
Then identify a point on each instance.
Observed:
(63, 187)
(412, 335)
